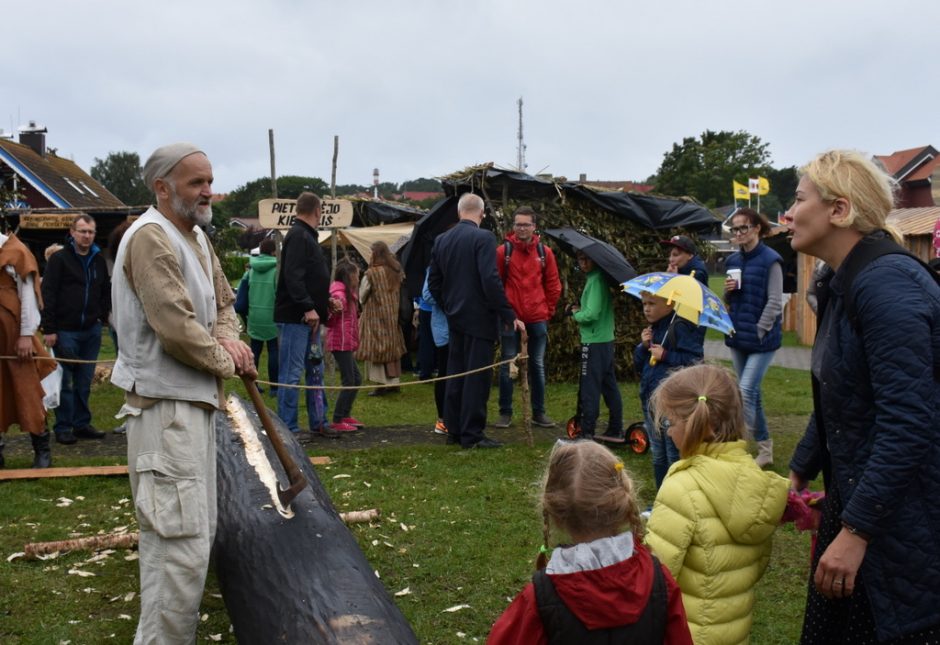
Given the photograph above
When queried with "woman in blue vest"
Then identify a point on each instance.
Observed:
(755, 303)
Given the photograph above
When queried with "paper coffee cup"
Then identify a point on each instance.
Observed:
(735, 274)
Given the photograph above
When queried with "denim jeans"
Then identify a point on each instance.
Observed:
(257, 346)
(509, 341)
(73, 411)
(294, 345)
(751, 368)
(662, 447)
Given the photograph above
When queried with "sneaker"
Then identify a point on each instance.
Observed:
(543, 421)
(121, 429)
(353, 421)
(339, 426)
(439, 427)
(504, 421)
(89, 432)
(327, 431)
(486, 442)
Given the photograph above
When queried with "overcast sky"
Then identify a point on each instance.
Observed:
(424, 88)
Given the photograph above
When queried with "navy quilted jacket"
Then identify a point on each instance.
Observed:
(746, 305)
(879, 410)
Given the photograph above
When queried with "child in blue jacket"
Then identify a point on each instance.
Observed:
(668, 343)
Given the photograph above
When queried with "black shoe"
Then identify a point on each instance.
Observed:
(43, 456)
(452, 439)
(89, 432)
(486, 442)
(2, 462)
(65, 437)
(543, 421)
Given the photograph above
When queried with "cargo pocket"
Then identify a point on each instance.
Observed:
(168, 502)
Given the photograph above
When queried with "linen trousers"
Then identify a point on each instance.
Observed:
(171, 463)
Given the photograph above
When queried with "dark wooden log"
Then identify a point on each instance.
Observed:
(292, 575)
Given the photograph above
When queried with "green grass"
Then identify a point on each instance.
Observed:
(472, 528)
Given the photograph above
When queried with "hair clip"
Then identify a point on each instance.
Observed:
(703, 398)
(618, 466)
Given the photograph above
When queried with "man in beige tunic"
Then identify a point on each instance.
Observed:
(172, 310)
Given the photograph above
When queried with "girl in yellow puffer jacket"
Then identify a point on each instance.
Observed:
(714, 517)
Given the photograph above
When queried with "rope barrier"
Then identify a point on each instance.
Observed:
(517, 358)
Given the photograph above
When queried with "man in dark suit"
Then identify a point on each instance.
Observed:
(463, 279)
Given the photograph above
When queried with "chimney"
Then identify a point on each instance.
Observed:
(582, 178)
(34, 136)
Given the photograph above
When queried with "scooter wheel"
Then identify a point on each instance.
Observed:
(638, 438)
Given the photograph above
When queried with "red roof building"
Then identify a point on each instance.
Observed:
(912, 169)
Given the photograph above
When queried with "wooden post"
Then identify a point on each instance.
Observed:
(333, 176)
(273, 173)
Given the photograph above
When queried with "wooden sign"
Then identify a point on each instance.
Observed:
(279, 213)
(57, 220)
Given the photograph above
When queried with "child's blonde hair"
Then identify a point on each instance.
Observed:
(587, 490)
(707, 399)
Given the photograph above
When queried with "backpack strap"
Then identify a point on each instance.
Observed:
(562, 626)
(507, 247)
(865, 252)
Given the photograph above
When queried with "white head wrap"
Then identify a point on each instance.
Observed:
(163, 160)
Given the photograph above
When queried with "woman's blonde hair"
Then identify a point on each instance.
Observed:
(853, 176)
(586, 490)
(707, 399)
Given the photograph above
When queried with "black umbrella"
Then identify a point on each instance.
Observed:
(416, 253)
(605, 257)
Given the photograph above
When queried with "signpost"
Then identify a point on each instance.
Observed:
(279, 213)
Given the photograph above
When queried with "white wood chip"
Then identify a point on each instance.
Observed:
(129, 596)
(215, 637)
(341, 476)
(403, 592)
(404, 527)
(131, 557)
(204, 618)
(80, 573)
(457, 608)
(124, 617)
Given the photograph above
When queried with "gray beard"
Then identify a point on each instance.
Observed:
(193, 213)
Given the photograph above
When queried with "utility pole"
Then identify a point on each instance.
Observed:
(273, 174)
(520, 149)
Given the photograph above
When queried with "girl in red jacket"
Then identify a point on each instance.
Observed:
(605, 586)
(342, 338)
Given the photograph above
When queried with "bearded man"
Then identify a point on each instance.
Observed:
(172, 310)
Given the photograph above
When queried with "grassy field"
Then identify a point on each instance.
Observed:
(472, 528)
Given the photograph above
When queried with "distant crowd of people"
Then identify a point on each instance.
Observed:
(682, 571)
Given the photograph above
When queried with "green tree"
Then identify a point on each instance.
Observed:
(119, 172)
(243, 201)
(704, 167)
(422, 185)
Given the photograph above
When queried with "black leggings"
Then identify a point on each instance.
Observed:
(349, 375)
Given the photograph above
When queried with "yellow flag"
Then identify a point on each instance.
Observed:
(740, 191)
(763, 186)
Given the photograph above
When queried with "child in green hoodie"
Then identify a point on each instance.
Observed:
(595, 318)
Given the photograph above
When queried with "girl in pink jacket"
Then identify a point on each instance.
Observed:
(342, 339)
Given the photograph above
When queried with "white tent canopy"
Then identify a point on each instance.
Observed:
(362, 239)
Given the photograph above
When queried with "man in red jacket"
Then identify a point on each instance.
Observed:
(530, 277)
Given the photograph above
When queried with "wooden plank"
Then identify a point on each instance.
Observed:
(79, 471)
(89, 471)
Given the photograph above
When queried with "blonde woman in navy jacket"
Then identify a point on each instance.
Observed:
(875, 434)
